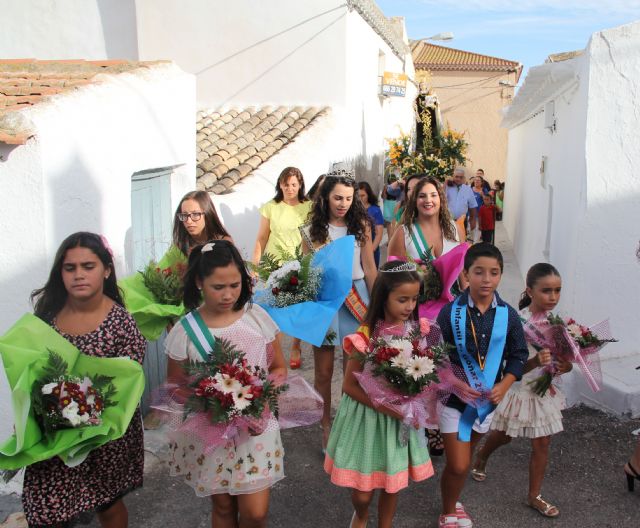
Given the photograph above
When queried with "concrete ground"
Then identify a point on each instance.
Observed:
(584, 478)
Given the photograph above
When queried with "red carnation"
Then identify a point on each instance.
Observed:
(293, 280)
(386, 353)
(275, 291)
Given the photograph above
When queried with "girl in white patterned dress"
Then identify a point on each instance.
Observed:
(239, 473)
(522, 413)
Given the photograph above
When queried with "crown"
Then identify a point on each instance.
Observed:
(405, 266)
(339, 171)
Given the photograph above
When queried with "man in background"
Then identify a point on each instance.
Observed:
(461, 200)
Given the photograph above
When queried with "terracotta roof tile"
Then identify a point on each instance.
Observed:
(26, 82)
(232, 144)
(431, 57)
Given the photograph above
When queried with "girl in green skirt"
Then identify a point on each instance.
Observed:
(364, 451)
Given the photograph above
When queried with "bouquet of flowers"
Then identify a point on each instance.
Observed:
(402, 367)
(431, 282)
(401, 161)
(65, 403)
(289, 281)
(165, 284)
(307, 312)
(61, 401)
(153, 296)
(568, 341)
(231, 394)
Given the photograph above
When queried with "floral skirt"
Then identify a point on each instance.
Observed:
(241, 466)
(522, 413)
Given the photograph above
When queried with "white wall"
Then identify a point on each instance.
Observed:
(527, 202)
(611, 225)
(76, 175)
(68, 29)
(247, 52)
(592, 165)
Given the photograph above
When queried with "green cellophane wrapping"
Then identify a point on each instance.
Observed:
(150, 316)
(25, 352)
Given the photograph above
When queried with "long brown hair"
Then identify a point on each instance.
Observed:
(284, 178)
(410, 214)
(356, 218)
(212, 225)
(52, 297)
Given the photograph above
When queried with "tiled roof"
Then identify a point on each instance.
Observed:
(26, 82)
(233, 143)
(431, 57)
(565, 55)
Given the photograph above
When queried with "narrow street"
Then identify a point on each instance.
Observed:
(585, 477)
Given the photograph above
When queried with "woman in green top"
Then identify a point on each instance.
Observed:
(278, 231)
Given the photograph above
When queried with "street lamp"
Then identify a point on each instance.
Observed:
(447, 35)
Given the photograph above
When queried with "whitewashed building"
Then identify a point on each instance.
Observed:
(104, 147)
(573, 195)
(321, 58)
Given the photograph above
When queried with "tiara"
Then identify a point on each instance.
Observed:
(405, 266)
(348, 174)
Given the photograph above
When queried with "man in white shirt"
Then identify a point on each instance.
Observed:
(460, 200)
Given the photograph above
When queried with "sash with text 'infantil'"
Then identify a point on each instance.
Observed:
(198, 333)
(480, 380)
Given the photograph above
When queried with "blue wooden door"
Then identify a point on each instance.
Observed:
(151, 225)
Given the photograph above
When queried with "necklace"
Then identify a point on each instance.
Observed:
(481, 361)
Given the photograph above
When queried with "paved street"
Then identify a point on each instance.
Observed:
(585, 477)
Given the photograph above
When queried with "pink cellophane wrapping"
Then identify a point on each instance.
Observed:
(449, 267)
(558, 340)
(300, 405)
(424, 409)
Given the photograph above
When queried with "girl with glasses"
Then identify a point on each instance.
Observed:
(196, 222)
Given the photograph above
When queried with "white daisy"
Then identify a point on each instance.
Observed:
(70, 412)
(405, 347)
(48, 388)
(242, 398)
(400, 361)
(226, 384)
(419, 366)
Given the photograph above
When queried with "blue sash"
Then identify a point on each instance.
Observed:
(479, 380)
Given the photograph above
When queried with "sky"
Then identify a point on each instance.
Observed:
(526, 31)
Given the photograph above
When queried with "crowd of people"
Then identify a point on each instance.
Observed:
(362, 447)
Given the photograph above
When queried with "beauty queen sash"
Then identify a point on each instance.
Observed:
(420, 244)
(480, 380)
(199, 334)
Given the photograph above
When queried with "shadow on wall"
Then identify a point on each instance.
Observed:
(75, 202)
(243, 227)
(119, 28)
(283, 58)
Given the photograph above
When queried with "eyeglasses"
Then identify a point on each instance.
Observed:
(194, 216)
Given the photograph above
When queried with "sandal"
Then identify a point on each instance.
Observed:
(448, 521)
(464, 521)
(436, 442)
(295, 363)
(543, 507)
(479, 469)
